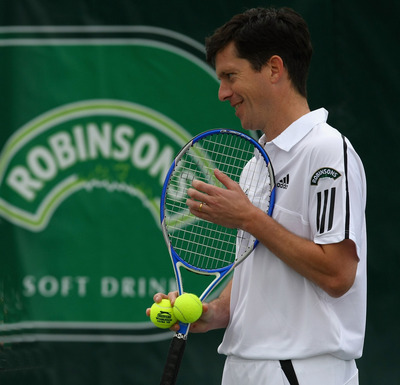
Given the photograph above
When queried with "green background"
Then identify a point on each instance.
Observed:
(354, 74)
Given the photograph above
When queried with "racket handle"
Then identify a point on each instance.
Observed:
(174, 359)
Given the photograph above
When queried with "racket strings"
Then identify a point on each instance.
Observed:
(203, 244)
(200, 243)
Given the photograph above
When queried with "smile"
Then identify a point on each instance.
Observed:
(236, 106)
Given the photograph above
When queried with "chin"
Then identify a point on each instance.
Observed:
(248, 128)
(244, 125)
(247, 125)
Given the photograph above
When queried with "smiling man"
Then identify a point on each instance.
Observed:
(295, 310)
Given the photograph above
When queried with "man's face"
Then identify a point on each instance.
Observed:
(247, 90)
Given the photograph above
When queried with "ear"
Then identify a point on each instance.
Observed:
(277, 68)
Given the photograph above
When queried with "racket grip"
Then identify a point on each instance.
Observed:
(174, 359)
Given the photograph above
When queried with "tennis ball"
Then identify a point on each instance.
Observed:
(162, 314)
(188, 308)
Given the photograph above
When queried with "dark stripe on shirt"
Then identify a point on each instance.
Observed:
(347, 216)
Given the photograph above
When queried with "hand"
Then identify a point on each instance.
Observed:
(226, 207)
(198, 326)
(202, 325)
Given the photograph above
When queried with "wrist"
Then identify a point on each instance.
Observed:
(251, 219)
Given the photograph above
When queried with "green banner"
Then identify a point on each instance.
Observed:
(100, 120)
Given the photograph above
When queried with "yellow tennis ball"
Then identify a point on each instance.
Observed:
(162, 314)
(188, 308)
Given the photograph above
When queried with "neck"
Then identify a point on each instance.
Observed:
(285, 112)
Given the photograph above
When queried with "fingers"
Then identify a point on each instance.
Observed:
(223, 206)
(209, 188)
(202, 194)
(224, 179)
(171, 296)
(198, 197)
(160, 296)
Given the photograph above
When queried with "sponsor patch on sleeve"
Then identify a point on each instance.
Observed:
(325, 172)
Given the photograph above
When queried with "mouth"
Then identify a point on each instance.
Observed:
(237, 105)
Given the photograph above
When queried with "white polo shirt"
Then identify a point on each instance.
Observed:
(321, 194)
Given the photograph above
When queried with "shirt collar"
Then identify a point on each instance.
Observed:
(298, 129)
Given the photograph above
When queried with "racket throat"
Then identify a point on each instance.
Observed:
(181, 336)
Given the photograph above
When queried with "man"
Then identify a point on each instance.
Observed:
(294, 311)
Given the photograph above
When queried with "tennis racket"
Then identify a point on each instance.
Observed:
(200, 246)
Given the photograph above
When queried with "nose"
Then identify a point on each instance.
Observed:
(224, 92)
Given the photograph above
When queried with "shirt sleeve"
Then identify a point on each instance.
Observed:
(337, 192)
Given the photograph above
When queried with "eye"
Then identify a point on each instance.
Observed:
(226, 76)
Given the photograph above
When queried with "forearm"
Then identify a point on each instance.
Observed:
(221, 307)
(217, 313)
(331, 267)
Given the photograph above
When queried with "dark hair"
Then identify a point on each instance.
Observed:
(260, 33)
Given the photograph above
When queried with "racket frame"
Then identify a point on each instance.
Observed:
(178, 343)
(177, 261)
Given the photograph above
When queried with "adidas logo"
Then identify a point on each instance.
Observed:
(284, 182)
